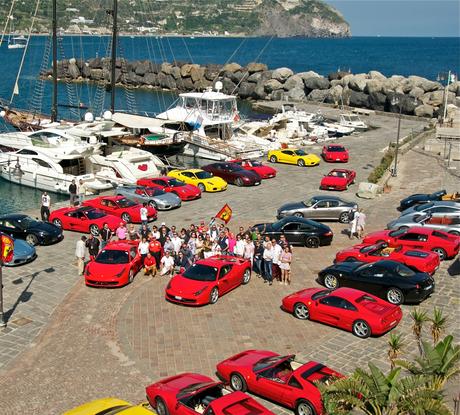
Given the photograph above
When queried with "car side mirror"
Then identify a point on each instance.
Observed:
(258, 377)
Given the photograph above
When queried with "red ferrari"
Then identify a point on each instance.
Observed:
(265, 172)
(335, 154)
(353, 310)
(444, 244)
(280, 379)
(208, 279)
(83, 219)
(194, 394)
(172, 185)
(338, 179)
(115, 266)
(122, 207)
(422, 261)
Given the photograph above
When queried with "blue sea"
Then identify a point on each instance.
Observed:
(425, 57)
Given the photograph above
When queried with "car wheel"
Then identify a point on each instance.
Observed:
(344, 217)
(246, 276)
(298, 215)
(238, 383)
(301, 163)
(273, 159)
(361, 329)
(441, 252)
(239, 182)
(57, 222)
(395, 296)
(214, 296)
(202, 187)
(304, 407)
(152, 204)
(312, 242)
(131, 276)
(126, 217)
(94, 229)
(31, 239)
(161, 407)
(301, 311)
(331, 281)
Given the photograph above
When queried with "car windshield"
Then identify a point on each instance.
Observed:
(112, 256)
(336, 149)
(309, 203)
(255, 163)
(278, 225)
(368, 249)
(300, 153)
(404, 271)
(423, 207)
(397, 232)
(193, 387)
(204, 175)
(95, 214)
(200, 272)
(124, 203)
(267, 362)
(366, 298)
(175, 183)
(155, 192)
(27, 222)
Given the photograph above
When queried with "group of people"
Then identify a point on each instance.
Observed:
(357, 223)
(166, 249)
(77, 192)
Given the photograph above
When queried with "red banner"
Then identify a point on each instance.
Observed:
(7, 248)
(225, 213)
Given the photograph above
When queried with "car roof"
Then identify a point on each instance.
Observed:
(341, 170)
(348, 293)
(327, 197)
(13, 216)
(190, 170)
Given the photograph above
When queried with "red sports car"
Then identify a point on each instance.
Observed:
(115, 266)
(444, 244)
(194, 394)
(338, 179)
(208, 279)
(172, 185)
(335, 154)
(353, 310)
(83, 219)
(265, 172)
(122, 207)
(280, 379)
(422, 261)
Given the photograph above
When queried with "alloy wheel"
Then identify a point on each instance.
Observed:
(361, 329)
(301, 311)
(331, 282)
(395, 296)
(441, 252)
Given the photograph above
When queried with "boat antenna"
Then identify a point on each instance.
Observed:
(8, 18)
(54, 105)
(114, 13)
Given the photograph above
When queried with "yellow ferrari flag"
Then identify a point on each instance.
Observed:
(225, 213)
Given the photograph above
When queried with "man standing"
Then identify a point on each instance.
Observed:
(80, 253)
(73, 193)
(144, 214)
(93, 246)
(276, 260)
(222, 241)
(361, 224)
(81, 191)
(268, 261)
(121, 232)
(155, 250)
(106, 235)
(45, 209)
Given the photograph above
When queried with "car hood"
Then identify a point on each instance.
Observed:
(167, 198)
(45, 227)
(291, 206)
(180, 285)
(189, 188)
(337, 154)
(105, 270)
(419, 197)
(346, 267)
(333, 180)
(310, 157)
(249, 173)
(22, 248)
(264, 170)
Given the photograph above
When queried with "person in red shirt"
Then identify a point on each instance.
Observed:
(150, 267)
(155, 249)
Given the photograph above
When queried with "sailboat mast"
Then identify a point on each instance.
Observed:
(54, 42)
(114, 54)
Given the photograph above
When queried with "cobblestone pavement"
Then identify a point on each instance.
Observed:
(100, 343)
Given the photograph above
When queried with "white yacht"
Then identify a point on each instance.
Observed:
(353, 121)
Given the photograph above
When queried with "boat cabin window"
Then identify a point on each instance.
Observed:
(74, 167)
(41, 163)
(27, 152)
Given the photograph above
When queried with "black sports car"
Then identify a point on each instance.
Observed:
(33, 231)
(390, 280)
(420, 198)
(298, 231)
(233, 173)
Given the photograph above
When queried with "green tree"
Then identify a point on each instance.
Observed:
(438, 323)
(419, 318)
(395, 345)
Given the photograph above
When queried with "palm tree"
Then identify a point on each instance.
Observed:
(439, 361)
(395, 343)
(374, 393)
(438, 323)
(419, 318)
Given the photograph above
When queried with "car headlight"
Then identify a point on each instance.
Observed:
(209, 183)
(199, 292)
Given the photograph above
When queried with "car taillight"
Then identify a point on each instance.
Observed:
(328, 233)
(417, 286)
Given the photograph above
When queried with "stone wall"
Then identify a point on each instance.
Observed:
(417, 95)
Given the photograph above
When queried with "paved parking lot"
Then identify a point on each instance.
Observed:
(94, 343)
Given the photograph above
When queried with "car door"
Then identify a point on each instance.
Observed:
(76, 221)
(187, 177)
(225, 280)
(135, 259)
(332, 211)
(370, 278)
(413, 239)
(329, 309)
(293, 233)
(266, 384)
(287, 156)
(319, 210)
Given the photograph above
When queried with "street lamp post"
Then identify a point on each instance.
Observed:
(450, 78)
(2, 315)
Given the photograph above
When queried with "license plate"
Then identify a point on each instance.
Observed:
(256, 183)
(177, 297)
(429, 287)
(331, 187)
(337, 159)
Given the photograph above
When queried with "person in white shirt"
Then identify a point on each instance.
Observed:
(239, 246)
(276, 260)
(167, 264)
(80, 253)
(143, 248)
(268, 261)
(81, 191)
(45, 208)
(177, 242)
(144, 214)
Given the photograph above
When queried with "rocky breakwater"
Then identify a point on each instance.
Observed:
(417, 95)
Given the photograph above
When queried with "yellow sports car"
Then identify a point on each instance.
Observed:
(110, 406)
(293, 156)
(206, 181)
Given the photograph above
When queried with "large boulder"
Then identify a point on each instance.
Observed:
(278, 95)
(272, 85)
(202, 84)
(166, 81)
(377, 101)
(185, 84)
(308, 74)
(346, 79)
(359, 99)
(333, 76)
(373, 85)
(296, 94)
(96, 74)
(231, 67)
(246, 89)
(397, 102)
(318, 95)
(237, 76)
(86, 71)
(358, 83)
(455, 88)
(424, 111)
(167, 68)
(295, 81)
(259, 92)
(255, 67)
(281, 74)
(377, 75)
(425, 84)
(175, 72)
(260, 76)
(315, 82)
(72, 70)
(390, 84)
(229, 86)
(335, 94)
(185, 70)
(151, 79)
(416, 92)
(437, 98)
(142, 68)
(95, 63)
(212, 71)
(197, 73)
(155, 67)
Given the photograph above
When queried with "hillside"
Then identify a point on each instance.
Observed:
(283, 18)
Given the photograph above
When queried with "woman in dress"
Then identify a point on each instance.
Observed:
(285, 266)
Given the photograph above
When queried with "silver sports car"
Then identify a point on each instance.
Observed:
(156, 198)
(319, 208)
(23, 253)
(439, 206)
(447, 222)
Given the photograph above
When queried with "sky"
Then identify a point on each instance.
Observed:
(429, 18)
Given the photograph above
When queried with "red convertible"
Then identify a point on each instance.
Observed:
(353, 310)
(335, 154)
(122, 207)
(338, 179)
(194, 394)
(280, 379)
(83, 219)
(422, 261)
(265, 172)
(172, 185)
(444, 244)
(208, 279)
(115, 266)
